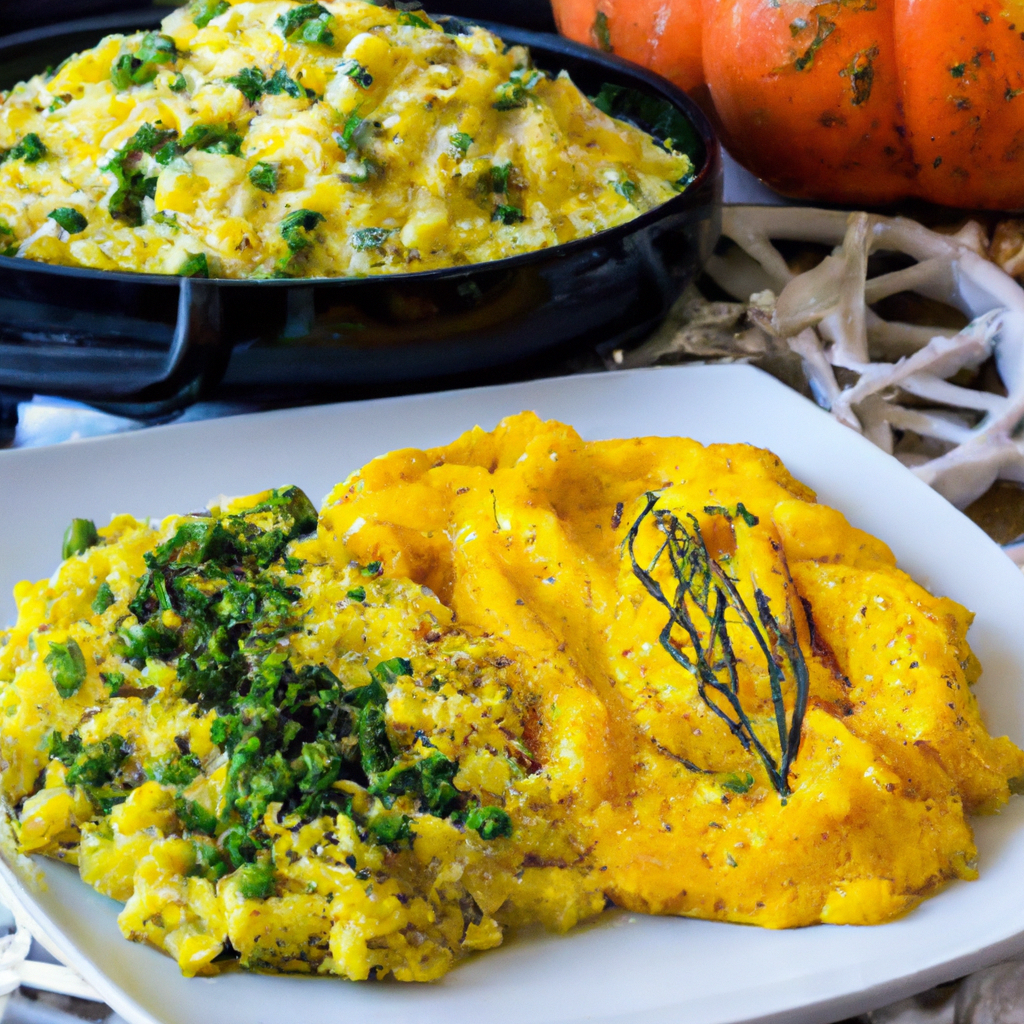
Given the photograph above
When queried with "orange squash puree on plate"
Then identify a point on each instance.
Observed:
(492, 684)
(521, 532)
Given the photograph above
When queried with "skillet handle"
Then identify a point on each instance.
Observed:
(97, 347)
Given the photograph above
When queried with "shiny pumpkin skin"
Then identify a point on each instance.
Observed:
(851, 101)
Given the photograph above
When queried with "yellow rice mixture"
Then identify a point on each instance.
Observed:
(368, 795)
(270, 138)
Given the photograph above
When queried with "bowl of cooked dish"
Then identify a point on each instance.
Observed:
(293, 198)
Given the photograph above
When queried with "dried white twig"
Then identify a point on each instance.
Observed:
(897, 376)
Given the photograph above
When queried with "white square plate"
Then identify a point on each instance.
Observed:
(626, 968)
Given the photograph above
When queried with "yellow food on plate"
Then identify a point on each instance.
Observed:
(493, 684)
(277, 139)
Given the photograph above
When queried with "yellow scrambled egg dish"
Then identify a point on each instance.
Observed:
(277, 139)
(494, 683)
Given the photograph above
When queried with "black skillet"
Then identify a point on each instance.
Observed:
(146, 344)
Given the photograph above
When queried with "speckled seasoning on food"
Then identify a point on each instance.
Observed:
(276, 139)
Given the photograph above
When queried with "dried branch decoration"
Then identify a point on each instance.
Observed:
(895, 376)
(703, 585)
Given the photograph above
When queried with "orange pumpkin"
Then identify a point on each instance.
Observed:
(847, 101)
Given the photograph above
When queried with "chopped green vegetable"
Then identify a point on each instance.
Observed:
(499, 176)
(94, 764)
(296, 226)
(195, 265)
(460, 142)
(104, 598)
(309, 23)
(69, 219)
(516, 91)
(408, 18)
(354, 70)
(280, 82)
(488, 822)
(390, 828)
(174, 769)
(204, 11)
(142, 67)
(212, 138)
(195, 817)
(738, 782)
(133, 185)
(357, 594)
(178, 83)
(369, 238)
(256, 881)
(113, 681)
(507, 214)
(59, 102)
(31, 149)
(250, 82)
(79, 537)
(66, 665)
(372, 569)
(348, 137)
(626, 188)
(386, 672)
(264, 176)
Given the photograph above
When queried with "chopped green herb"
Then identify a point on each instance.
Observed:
(142, 67)
(738, 782)
(204, 11)
(31, 149)
(104, 598)
(309, 23)
(372, 569)
(195, 265)
(499, 177)
(369, 238)
(280, 82)
(79, 537)
(354, 70)
(460, 143)
(113, 681)
(625, 188)
(69, 219)
(66, 665)
(507, 214)
(264, 176)
(347, 138)
(413, 20)
(256, 881)
(212, 138)
(174, 769)
(250, 82)
(390, 828)
(515, 92)
(825, 28)
(195, 817)
(178, 83)
(655, 116)
(59, 101)
(488, 822)
(296, 226)
(386, 672)
(957, 71)
(167, 219)
(357, 594)
(133, 185)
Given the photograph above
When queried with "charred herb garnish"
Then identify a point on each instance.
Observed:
(702, 587)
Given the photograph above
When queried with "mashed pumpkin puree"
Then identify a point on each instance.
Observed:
(277, 139)
(493, 683)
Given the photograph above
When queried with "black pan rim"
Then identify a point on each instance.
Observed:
(557, 45)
